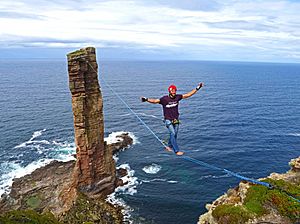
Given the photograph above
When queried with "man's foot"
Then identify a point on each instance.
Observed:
(179, 153)
(169, 149)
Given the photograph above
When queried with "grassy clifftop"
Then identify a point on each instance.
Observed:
(252, 204)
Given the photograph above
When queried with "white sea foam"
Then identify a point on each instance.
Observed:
(115, 157)
(65, 155)
(143, 114)
(129, 188)
(62, 144)
(37, 134)
(113, 137)
(30, 141)
(152, 169)
(294, 134)
(221, 176)
(150, 115)
(130, 179)
(160, 180)
(54, 150)
(126, 211)
(172, 181)
(14, 170)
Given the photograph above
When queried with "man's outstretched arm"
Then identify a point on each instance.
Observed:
(191, 93)
(144, 99)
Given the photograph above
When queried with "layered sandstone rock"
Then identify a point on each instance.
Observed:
(95, 169)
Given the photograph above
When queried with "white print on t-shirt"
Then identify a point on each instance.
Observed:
(171, 104)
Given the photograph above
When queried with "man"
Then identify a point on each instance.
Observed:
(171, 115)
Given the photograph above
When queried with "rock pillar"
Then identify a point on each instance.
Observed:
(94, 169)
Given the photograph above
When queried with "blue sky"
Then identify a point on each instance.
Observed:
(232, 30)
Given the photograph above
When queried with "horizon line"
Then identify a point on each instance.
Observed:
(148, 60)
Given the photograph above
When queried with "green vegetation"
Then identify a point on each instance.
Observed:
(87, 210)
(33, 202)
(293, 189)
(84, 211)
(285, 206)
(77, 53)
(254, 201)
(259, 199)
(27, 217)
(231, 214)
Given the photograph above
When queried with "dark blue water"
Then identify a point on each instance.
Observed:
(245, 119)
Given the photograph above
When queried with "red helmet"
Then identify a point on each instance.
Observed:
(171, 87)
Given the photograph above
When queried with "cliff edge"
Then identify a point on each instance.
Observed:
(254, 204)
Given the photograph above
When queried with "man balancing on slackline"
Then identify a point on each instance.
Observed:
(171, 115)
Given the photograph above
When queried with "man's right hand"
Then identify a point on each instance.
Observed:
(144, 99)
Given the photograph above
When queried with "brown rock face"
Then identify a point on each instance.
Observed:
(95, 168)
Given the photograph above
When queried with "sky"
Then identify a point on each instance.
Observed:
(225, 30)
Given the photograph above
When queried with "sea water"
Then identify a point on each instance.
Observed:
(245, 119)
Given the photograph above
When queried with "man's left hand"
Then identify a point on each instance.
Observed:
(200, 85)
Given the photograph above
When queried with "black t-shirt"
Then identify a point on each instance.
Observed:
(170, 106)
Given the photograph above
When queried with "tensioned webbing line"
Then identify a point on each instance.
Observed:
(196, 161)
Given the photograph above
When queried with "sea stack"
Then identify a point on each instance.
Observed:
(73, 192)
(95, 169)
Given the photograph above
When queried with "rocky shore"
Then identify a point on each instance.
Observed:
(255, 204)
(37, 196)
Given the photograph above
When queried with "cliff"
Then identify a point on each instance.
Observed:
(254, 204)
(73, 192)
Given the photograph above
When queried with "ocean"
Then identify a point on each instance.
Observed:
(245, 119)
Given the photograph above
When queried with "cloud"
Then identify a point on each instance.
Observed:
(227, 28)
(193, 5)
(18, 15)
(241, 25)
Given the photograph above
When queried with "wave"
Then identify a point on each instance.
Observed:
(160, 180)
(129, 188)
(294, 134)
(200, 178)
(221, 176)
(113, 137)
(130, 179)
(152, 169)
(142, 114)
(30, 141)
(14, 170)
(53, 150)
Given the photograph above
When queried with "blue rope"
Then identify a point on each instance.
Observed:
(187, 157)
(201, 163)
(135, 114)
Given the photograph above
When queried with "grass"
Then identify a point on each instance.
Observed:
(231, 214)
(259, 199)
(27, 217)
